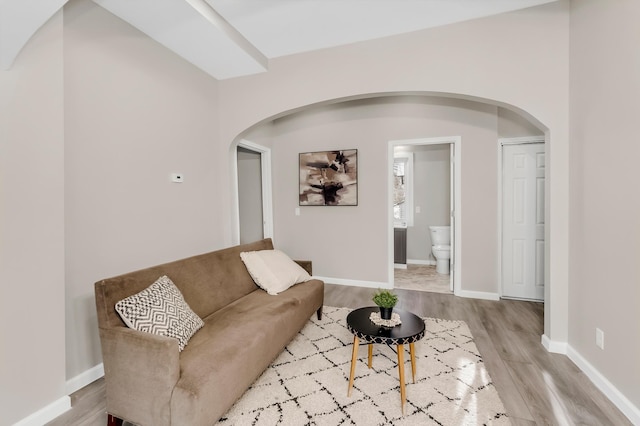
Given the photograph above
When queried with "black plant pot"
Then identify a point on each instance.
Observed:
(385, 313)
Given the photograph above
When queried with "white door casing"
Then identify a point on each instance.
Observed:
(452, 203)
(250, 195)
(456, 220)
(267, 201)
(523, 180)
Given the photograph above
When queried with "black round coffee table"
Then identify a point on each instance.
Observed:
(410, 331)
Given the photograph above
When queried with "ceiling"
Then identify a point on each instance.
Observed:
(231, 38)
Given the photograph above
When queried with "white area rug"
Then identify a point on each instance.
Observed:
(307, 383)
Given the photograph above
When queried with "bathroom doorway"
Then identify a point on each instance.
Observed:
(424, 191)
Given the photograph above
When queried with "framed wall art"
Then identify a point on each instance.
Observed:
(329, 178)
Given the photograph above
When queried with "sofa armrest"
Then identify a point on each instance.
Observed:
(306, 265)
(141, 370)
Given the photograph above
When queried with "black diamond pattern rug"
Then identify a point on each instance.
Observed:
(307, 383)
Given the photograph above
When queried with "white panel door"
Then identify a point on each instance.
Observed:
(523, 177)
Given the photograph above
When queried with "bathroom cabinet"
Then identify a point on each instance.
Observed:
(400, 246)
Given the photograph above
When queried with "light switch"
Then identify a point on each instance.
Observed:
(417, 209)
(297, 211)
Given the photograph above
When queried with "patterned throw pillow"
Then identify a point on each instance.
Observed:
(160, 309)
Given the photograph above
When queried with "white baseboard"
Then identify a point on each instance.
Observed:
(46, 414)
(376, 284)
(83, 379)
(553, 345)
(63, 404)
(355, 283)
(421, 262)
(399, 266)
(605, 386)
(477, 295)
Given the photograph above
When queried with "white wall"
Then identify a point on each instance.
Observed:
(134, 113)
(605, 206)
(32, 302)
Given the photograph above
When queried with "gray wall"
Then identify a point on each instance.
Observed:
(32, 211)
(355, 238)
(605, 206)
(369, 125)
(513, 125)
(432, 182)
(133, 114)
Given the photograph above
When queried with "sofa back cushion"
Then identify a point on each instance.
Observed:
(208, 282)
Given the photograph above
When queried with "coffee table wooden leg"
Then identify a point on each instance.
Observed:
(354, 359)
(413, 361)
(370, 354)
(403, 395)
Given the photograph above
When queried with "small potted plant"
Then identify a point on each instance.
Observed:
(386, 300)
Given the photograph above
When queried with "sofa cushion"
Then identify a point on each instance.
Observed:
(273, 270)
(236, 344)
(160, 309)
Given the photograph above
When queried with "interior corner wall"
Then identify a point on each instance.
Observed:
(134, 113)
(32, 276)
(605, 206)
(350, 243)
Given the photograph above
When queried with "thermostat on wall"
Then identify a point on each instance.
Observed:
(177, 177)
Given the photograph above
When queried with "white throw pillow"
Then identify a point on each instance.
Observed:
(160, 309)
(272, 270)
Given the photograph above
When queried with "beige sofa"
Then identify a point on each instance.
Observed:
(149, 382)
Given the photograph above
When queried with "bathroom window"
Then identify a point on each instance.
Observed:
(403, 188)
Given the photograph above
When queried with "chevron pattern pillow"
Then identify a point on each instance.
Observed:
(160, 309)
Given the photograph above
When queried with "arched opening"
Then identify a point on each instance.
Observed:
(368, 122)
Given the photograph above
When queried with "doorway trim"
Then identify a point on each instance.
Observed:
(501, 143)
(267, 188)
(456, 141)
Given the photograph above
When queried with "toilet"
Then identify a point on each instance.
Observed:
(441, 247)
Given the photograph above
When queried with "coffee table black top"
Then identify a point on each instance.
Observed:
(410, 331)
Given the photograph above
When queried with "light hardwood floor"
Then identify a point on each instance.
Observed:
(537, 387)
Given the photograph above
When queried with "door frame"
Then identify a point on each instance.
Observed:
(524, 140)
(267, 188)
(456, 221)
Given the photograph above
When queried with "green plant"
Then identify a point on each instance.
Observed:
(385, 299)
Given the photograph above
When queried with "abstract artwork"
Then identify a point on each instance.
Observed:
(329, 178)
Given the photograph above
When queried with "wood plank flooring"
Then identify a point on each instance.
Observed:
(536, 387)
